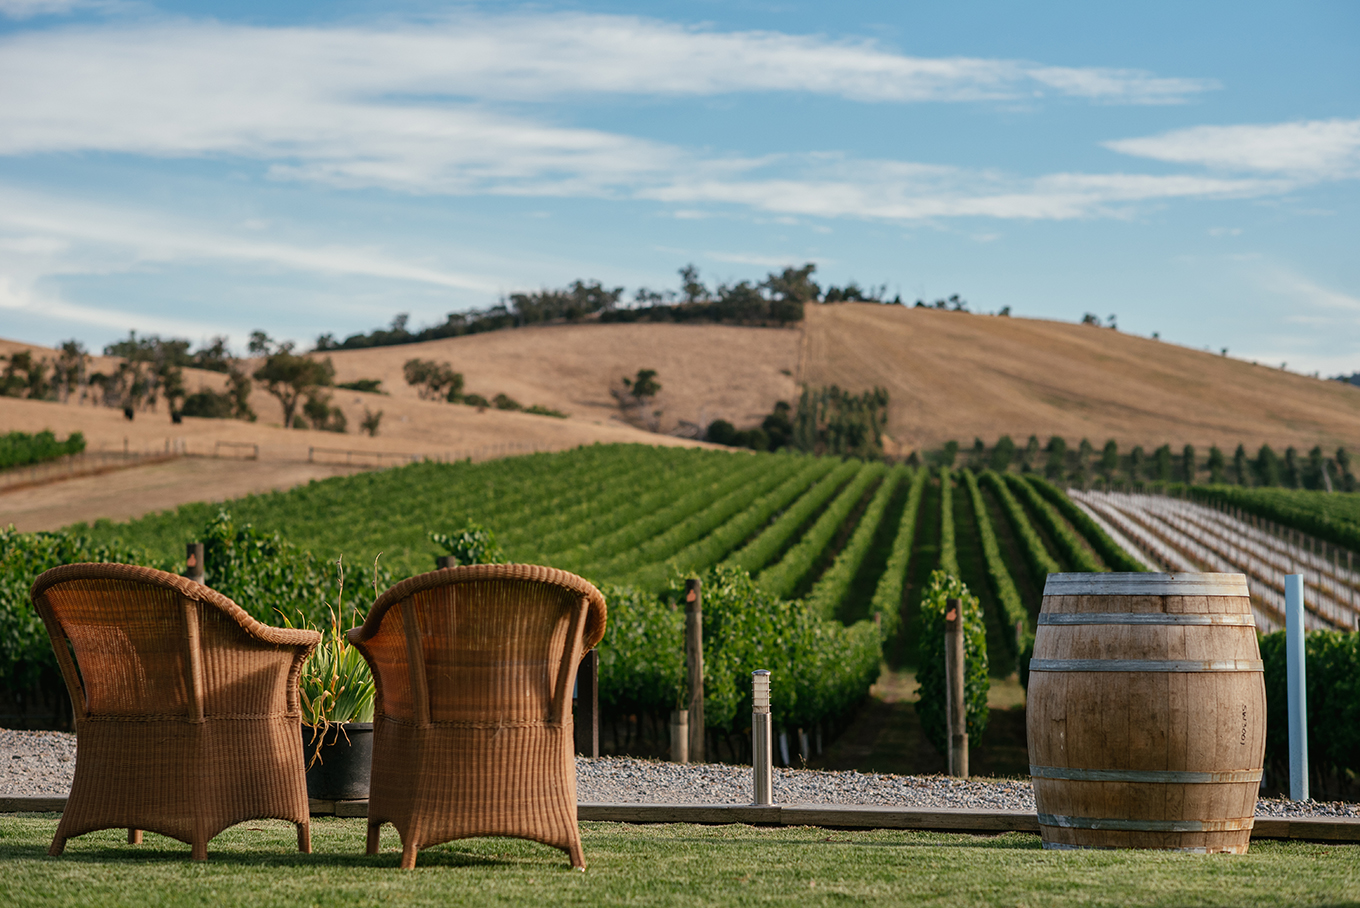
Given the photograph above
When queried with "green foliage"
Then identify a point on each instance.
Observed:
(1332, 670)
(949, 558)
(432, 380)
(473, 544)
(820, 669)
(19, 448)
(26, 660)
(335, 684)
(1110, 553)
(366, 385)
(272, 578)
(1002, 454)
(887, 601)
(1003, 586)
(288, 376)
(1067, 541)
(709, 549)
(759, 552)
(832, 587)
(784, 578)
(1332, 517)
(644, 386)
(930, 660)
(1041, 564)
(832, 421)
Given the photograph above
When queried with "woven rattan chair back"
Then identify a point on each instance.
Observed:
(186, 708)
(474, 668)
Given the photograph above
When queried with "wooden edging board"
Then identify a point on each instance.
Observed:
(833, 816)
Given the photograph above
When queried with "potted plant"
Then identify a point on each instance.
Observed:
(337, 694)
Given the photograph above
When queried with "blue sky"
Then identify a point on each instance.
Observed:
(204, 168)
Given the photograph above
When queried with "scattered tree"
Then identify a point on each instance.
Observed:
(1109, 459)
(434, 380)
(1002, 454)
(290, 377)
(1217, 463)
(1189, 467)
(371, 421)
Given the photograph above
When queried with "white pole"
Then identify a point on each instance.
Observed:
(1298, 701)
(762, 741)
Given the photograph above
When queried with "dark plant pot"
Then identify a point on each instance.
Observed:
(341, 772)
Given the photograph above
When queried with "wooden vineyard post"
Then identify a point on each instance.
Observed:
(588, 705)
(955, 706)
(694, 663)
(445, 561)
(193, 559)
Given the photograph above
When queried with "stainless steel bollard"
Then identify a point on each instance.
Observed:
(762, 739)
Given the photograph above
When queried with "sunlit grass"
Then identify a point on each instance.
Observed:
(256, 865)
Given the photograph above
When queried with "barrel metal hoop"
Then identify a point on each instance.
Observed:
(1144, 665)
(1120, 825)
(1154, 776)
(1145, 584)
(1143, 618)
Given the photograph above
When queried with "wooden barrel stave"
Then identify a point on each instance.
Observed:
(1206, 722)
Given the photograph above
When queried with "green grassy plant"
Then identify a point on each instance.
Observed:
(1041, 564)
(1332, 517)
(834, 584)
(1067, 541)
(256, 865)
(887, 601)
(1003, 586)
(1110, 553)
(20, 448)
(759, 552)
(949, 556)
(930, 659)
(784, 578)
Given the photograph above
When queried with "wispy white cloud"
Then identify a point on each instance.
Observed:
(27, 9)
(1310, 149)
(764, 261)
(77, 237)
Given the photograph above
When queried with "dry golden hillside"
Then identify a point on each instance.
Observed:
(950, 376)
(953, 375)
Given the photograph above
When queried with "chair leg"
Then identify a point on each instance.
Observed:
(374, 836)
(577, 855)
(305, 837)
(200, 849)
(134, 836)
(408, 854)
(58, 845)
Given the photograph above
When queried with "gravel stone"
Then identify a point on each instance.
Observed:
(43, 762)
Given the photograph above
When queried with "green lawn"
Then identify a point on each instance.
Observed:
(255, 865)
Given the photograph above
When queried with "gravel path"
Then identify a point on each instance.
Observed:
(41, 763)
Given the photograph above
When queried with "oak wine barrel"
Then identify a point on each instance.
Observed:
(1146, 712)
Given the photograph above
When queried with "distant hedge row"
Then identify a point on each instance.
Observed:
(19, 449)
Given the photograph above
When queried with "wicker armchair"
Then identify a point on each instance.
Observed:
(186, 708)
(472, 733)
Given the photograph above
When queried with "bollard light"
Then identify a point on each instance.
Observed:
(761, 739)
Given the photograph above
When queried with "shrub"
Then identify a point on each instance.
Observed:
(19, 448)
(820, 669)
(208, 404)
(930, 660)
(1332, 668)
